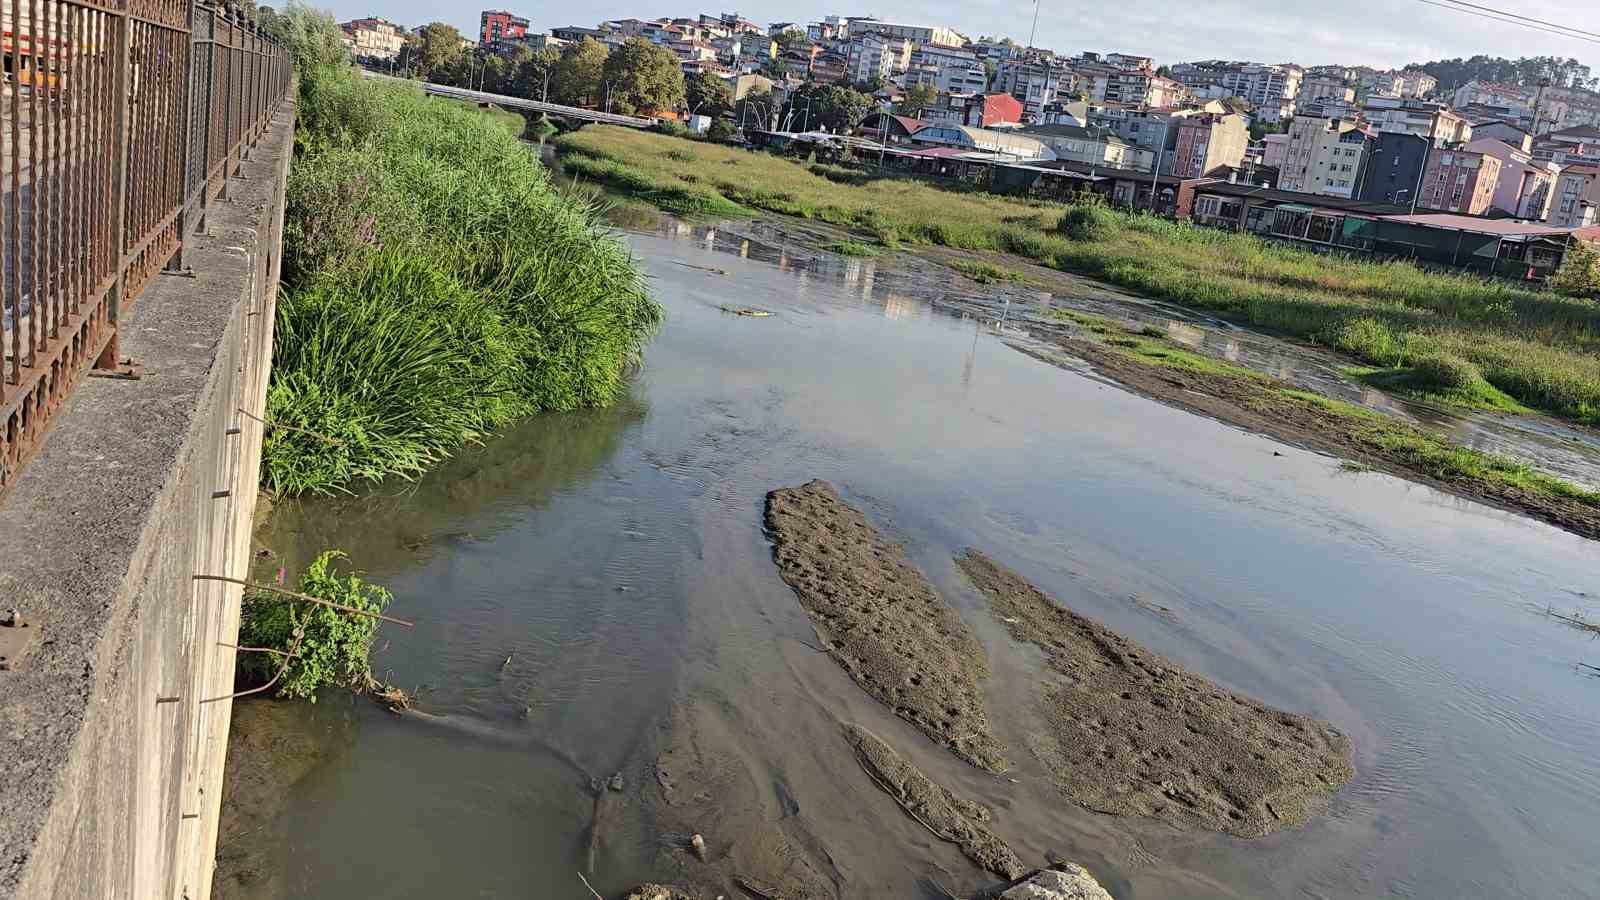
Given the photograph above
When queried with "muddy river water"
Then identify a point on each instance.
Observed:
(592, 591)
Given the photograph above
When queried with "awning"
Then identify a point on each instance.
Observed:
(1295, 207)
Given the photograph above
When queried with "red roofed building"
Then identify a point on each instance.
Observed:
(496, 25)
(986, 110)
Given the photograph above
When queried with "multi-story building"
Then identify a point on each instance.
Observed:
(1141, 87)
(978, 110)
(1149, 129)
(1526, 186)
(1503, 131)
(1271, 89)
(1569, 145)
(873, 55)
(1274, 150)
(498, 25)
(1375, 83)
(1092, 146)
(916, 34)
(375, 38)
(1577, 197)
(1460, 181)
(1324, 87)
(1519, 101)
(1434, 121)
(1034, 81)
(1417, 83)
(830, 29)
(1324, 156)
(1208, 142)
(969, 80)
(943, 55)
(1394, 167)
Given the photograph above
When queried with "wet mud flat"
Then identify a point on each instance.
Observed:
(1131, 733)
(879, 618)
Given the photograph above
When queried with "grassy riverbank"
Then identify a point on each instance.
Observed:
(437, 286)
(1533, 348)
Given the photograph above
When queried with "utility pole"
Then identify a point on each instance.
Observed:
(1155, 172)
(1422, 169)
(1032, 31)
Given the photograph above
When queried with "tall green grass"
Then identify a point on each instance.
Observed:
(437, 285)
(1540, 348)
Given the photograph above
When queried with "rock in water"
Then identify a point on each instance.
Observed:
(1066, 881)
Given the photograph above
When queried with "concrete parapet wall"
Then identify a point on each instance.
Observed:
(112, 777)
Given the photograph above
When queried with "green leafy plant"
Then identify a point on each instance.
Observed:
(330, 647)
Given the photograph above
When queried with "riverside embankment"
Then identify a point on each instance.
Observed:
(594, 594)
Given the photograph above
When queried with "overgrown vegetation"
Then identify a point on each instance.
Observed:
(852, 248)
(314, 646)
(437, 285)
(985, 273)
(1537, 347)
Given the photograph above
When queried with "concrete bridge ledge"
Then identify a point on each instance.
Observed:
(112, 765)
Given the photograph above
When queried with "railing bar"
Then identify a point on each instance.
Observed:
(76, 139)
(58, 175)
(35, 132)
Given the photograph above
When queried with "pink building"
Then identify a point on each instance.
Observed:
(1208, 142)
(1460, 181)
(1526, 185)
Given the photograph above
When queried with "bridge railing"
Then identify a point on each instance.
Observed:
(121, 122)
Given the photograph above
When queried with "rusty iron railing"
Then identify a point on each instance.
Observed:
(122, 121)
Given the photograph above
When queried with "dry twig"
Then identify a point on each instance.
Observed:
(590, 887)
(306, 598)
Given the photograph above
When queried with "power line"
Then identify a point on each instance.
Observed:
(1525, 18)
(1508, 19)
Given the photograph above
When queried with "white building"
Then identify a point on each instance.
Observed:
(876, 56)
(917, 34)
(1577, 197)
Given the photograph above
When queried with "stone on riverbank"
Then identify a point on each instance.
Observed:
(1065, 881)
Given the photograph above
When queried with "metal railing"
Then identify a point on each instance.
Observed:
(121, 122)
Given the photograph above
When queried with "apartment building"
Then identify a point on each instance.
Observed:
(916, 34)
(1517, 100)
(950, 79)
(1526, 186)
(1141, 87)
(375, 38)
(1207, 142)
(1325, 87)
(1394, 167)
(1434, 121)
(1149, 129)
(1271, 89)
(1460, 181)
(1324, 156)
(1035, 81)
(1417, 83)
(1577, 197)
(497, 25)
(874, 55)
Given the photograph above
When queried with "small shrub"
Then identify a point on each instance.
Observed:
(852, 248)
(722, 131)
(1444, 372)
(331, 647)
(1088, 222)
(1370, 340)
(680, 155)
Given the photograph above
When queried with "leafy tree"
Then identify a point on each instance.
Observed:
(871, 85)
(755, 109)
(916, 100)
(577, 77)
(643, 76)
(829, 106)
(1525, 71)
(708, 95)
(774, 69)
(1579, 275)
(721, 131)
(436, 50)
(531, 71)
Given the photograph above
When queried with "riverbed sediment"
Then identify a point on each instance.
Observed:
(1132, 733)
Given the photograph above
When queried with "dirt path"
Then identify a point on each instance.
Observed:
(1131, 733)
(879, 617)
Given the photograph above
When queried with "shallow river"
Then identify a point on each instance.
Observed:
(592, 589)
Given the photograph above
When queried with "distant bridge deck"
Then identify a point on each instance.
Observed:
(553, 109)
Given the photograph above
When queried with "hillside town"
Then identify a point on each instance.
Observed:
(1347, 156)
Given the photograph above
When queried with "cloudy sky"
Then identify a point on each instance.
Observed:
(1371, 32)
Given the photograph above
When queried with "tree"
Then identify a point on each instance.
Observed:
(755, 110)
(827, 106)
(531, 71)
(773, 68)
(576, 79)
(871, 85)
(436, 49)
(708, 95)
(1579, 275)
(916, 100)
(641, 75)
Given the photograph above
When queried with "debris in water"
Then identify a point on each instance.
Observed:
(615, 783)
(698, 845)
(750, 311)
(711, 269)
